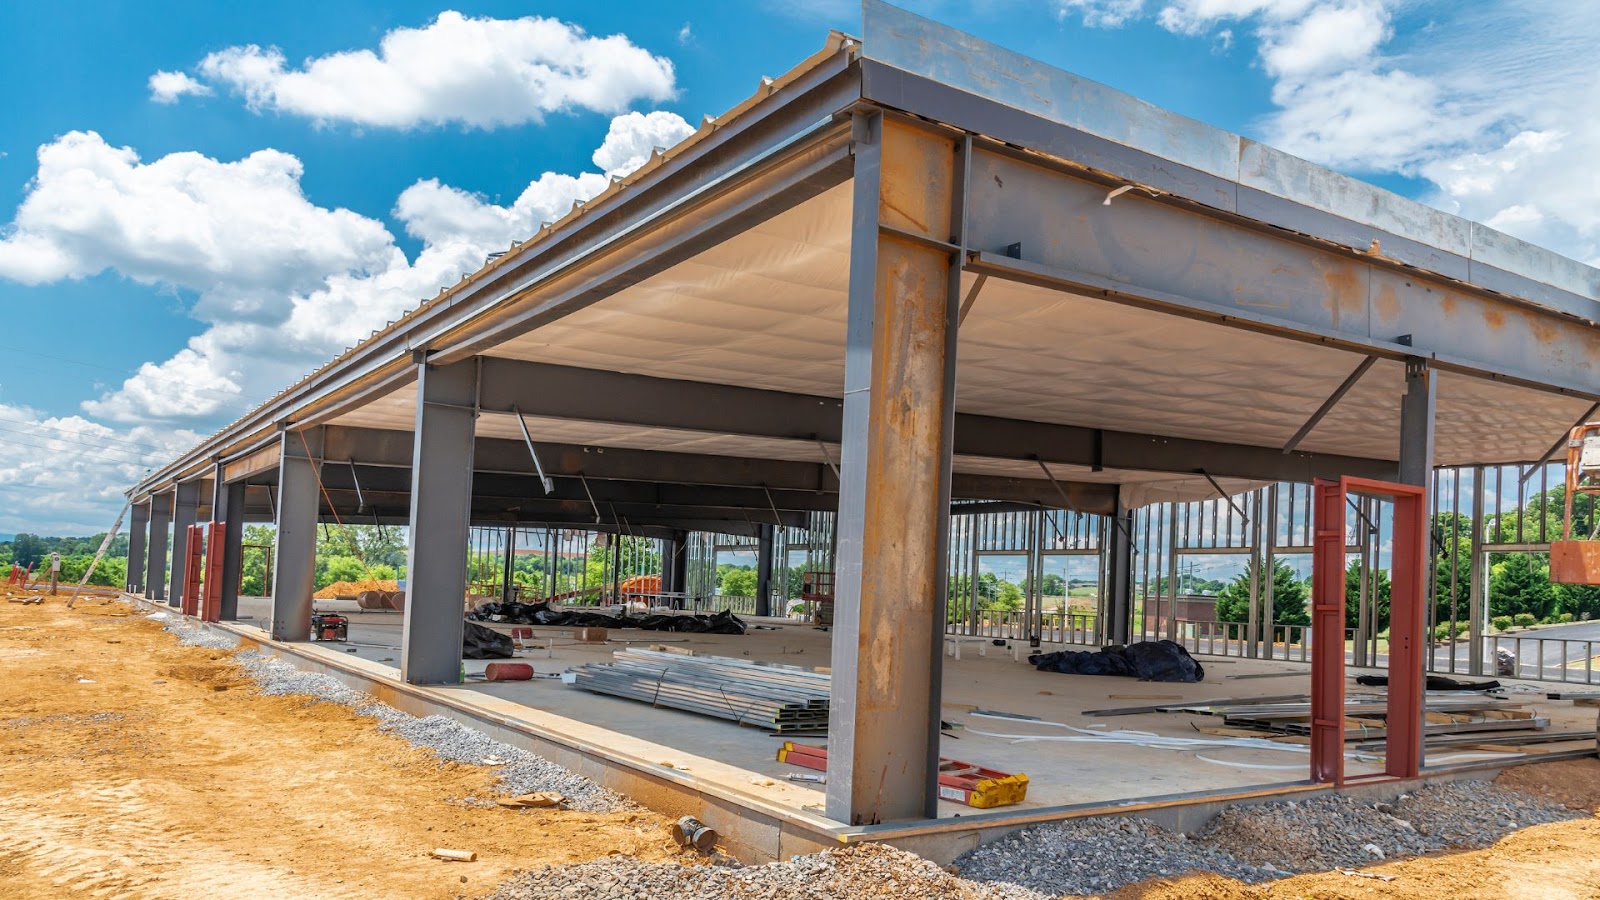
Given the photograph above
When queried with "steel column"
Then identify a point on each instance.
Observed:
(441, 503)
(1119, 586)
(138, 530)
(1416, 424)
(1477, 582)
(155, 573)
(232, 516)
(764, 543)
(675, 579)
(294, 552)
(508, 590)
(898, 425)
(185, 506)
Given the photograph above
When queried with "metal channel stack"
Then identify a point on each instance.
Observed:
(779, 698)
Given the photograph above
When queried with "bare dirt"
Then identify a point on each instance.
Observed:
(134, 767)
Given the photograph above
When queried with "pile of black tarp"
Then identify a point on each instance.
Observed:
(514, 613)
(1146, 661)
(478, 642)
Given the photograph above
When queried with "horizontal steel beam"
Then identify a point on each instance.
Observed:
(566, 392)
(346, 503)
(787, 481)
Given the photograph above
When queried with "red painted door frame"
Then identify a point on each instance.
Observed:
(191, 571)
(1407, 622)
(211, 593)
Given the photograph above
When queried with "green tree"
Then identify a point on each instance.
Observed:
(1288, 597)
(339, 568)
(737, 581)
(1520, 583)
(1581, 600)
(1007, 596)
(1352, 598)
(29, 550)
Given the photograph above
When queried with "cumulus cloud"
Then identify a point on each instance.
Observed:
(478, 72)
(237, 233)
(1483, 101)
(167, 87)
(281, 283)
(65, 474)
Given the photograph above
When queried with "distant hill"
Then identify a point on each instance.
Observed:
(6, 538)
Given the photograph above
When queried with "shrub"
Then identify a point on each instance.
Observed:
(1500, 623)
(1524, 620)
(1564, 618)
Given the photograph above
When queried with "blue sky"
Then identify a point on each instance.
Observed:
(173, 251)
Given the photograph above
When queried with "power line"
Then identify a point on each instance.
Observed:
(142, 454)
(68, 431)
(121, 462)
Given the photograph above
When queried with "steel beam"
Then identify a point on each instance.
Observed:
(138, 530)
(294, 554)
(566, 392)
(155, 573)
(894, 492)
(1416, 424)
(441, 504)
(185, 505)
(1328, 404)
(797, 485)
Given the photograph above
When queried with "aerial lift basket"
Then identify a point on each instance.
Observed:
(1577, 561)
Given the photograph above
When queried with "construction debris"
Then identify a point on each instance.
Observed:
(691, 832)
(781, 698)
(455, 855)
(535, 800)
(1145, 660)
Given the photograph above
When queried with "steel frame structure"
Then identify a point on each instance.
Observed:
(962, 159)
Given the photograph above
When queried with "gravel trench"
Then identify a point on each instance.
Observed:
(519, 771)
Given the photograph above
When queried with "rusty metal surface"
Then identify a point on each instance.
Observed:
(1138, 247)
(1429, 238)
(894, 454)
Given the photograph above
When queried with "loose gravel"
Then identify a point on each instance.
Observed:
(1338, 831)
(1093, 856)
(519, 771)
(862, 871)
(1259, 843)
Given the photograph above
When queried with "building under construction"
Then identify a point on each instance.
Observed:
(917, 304)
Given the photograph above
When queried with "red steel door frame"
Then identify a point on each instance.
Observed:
(190, 603)
(211, 593)
(1407, 622)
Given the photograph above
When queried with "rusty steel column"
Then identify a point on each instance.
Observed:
(883, 740)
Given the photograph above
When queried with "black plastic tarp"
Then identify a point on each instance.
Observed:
(514, 613)
(478, 642)
(1146, 661)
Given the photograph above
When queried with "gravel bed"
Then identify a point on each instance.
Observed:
(1259, 843)
(860, 871)
(519, 771)
(1339, 831)
(1092, 856)
(192, 634)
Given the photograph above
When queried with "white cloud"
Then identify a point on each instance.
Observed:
(686, 34)
(239, 233)
(282, 284)
(65, 475)
(1485, 101)
(478, 72)
(633, 135)
(167, 87)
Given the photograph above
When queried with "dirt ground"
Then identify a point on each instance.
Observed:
(134, 767)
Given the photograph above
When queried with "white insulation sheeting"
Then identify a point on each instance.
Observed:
(767, 309)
